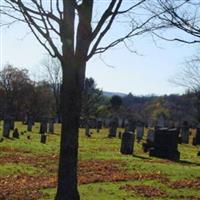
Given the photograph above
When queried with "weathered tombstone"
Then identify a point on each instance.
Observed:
(166, 144)
(43, 138)
(12, 123)
(113, 128)
(140, 132)
(30, 123)
(51, 125)
(6, 128)
(161, 121)
(127, 143)
(151, 135)
(150, 140)
(43, 127)
(130, 126)
(16, 133)
(185, 133)
(196, 139)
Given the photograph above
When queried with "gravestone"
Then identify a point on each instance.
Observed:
(127, 143)
(166, 144)
(131, 126)
(43, 127)
(6, 128)
(140, 132)
(113, 128)
(12, 123)
(185, 133)
(161, 121)
(16, 133)
(43, 138)
(196, 139)
(51, 125)
(149, 141)
(30, 123)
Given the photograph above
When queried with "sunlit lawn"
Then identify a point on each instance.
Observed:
(103, 173)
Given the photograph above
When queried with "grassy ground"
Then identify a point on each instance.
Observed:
(28, 170)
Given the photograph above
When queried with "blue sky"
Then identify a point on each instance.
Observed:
(144, 73)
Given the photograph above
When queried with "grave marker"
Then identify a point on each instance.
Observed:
(140, 131)
(51, 125)
(6, 128)
(43, 127)
(127, 143)
(166, 144)
(185, 133)
(30, 123)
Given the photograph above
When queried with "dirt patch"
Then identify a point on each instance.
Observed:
(112, 171)
(24, 186)
(27, 187)
(186, 183)
(27, 160)
(185, 197)
(145, 190)
(13, 150)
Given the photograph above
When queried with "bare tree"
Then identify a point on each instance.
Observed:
(64, 28)
(182, 16)
(189, 78)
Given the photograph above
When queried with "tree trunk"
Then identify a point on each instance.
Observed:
(73, 82)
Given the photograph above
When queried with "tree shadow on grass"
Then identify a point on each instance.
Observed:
(187, 162)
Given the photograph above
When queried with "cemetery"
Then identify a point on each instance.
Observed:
(108, 168)
(64, 138)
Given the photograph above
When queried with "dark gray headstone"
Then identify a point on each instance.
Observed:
(51, 126)
(30, 123)
(131, 126)
(43, 138)
(185, 133)
(6, 128)
(166, 144)
(140, 132)
(12, 124)
(113, 128)
(127, 142)
(43, 127)
(196, 139)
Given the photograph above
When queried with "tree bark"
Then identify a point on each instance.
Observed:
(73, 82)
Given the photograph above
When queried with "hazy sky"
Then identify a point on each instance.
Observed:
(144, 73)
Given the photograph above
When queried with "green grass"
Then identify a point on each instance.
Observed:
(99, 147)
(16, 169)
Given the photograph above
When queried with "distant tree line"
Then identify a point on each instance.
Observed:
(21, 96)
